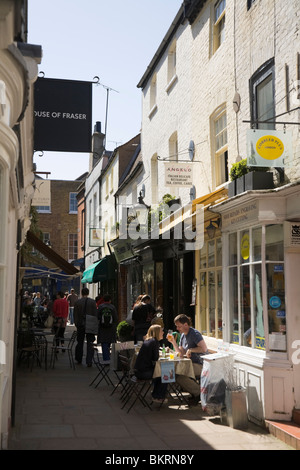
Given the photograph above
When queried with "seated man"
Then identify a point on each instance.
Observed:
(193, 346)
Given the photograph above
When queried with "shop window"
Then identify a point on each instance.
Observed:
(211, 288)
(262, 93)
(249, 290)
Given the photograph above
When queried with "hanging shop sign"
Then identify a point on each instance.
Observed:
(269, 148)
(96, 237)
(178, 174)
(42, 193)
(62, 115)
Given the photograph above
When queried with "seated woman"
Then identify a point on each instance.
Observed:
(145, 362)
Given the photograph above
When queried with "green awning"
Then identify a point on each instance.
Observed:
(100, 271)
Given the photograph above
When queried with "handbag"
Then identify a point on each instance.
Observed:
(49, 322)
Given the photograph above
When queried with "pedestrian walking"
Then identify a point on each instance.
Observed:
(86, 322)
(60, 314)
(108, 319)
(72, 299)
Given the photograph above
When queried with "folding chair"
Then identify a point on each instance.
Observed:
(174, 388)
(28, 346)
(103, 370)
(67, 346)
(119, 368)
(135, 388)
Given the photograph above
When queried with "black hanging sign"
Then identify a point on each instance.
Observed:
(63, 115)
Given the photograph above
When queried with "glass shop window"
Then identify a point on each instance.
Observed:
(211, 288)
(249, 290)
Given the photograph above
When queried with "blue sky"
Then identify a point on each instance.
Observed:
(114, 40)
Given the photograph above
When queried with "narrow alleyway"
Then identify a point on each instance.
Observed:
(57, 409)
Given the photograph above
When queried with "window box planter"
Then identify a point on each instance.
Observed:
(259, 180)
(240, 185)
(231, 188)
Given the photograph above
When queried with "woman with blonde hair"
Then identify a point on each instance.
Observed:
(145, 362)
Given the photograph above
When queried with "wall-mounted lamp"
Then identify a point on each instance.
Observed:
(211, 228)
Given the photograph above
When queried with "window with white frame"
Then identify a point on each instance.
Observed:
(172, 61)
(153, 93)
(220, 146)
(43, 209)
(173, 147)
(73, 246)
(73, 203)
(256, 293)
(154, 179)
(219, 24)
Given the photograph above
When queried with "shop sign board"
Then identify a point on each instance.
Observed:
(42, 193)
(292, 234)
(269, 148)
(240, 216)
(62, 115)
(178, 174)
(96, 237)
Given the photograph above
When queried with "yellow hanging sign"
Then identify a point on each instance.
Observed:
(270, 147)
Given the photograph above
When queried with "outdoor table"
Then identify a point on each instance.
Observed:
(183, 366)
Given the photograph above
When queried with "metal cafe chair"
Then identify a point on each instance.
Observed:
(29, 346)
(66, 347)
(135, 388)
(103, 370)
(120, 372)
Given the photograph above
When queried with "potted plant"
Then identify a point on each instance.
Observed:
(237, 173)
(124, 331)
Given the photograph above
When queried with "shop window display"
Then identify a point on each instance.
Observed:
(250, 253)
(211, 288)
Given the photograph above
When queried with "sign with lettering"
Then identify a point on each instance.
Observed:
(240, 216)
(62, 115)
(292, 234)
(178, 174)
(42, 193)
(269, 148)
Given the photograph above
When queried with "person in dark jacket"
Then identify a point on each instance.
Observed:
(143, 313)
(108, 319)
(86, 322)
(145, 362)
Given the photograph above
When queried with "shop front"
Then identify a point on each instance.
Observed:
(253, 298)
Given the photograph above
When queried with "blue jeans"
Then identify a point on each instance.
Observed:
(71, 315)
(105, 351)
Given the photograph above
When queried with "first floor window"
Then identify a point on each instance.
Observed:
(262, 94)
(220, 146)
